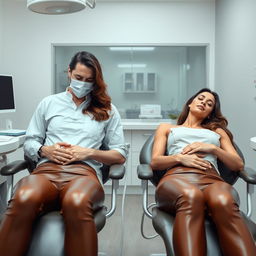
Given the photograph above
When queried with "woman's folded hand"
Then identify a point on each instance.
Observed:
(198, 147)
(194, 160)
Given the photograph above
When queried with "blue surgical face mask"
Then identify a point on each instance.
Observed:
(80, 88)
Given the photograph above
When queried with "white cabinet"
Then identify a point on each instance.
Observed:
(128, 82)
(136, 139)
(139, 82)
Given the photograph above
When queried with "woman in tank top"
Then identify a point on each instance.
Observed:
(192, 183)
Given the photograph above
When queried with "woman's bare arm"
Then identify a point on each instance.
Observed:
(226, 153)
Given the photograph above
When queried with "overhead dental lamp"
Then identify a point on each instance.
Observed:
(59, 6)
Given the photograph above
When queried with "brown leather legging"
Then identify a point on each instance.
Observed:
(78, 192)
(188, 193)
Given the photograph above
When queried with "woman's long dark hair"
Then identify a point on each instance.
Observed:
(214, 120)
(100, 100)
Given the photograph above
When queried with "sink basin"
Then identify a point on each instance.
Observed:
(253, 143)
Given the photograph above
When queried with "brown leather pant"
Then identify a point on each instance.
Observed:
(188, 193)
(77, 191)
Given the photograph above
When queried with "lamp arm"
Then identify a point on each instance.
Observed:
(91, 4)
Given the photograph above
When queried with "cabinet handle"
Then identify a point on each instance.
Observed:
(147, 134)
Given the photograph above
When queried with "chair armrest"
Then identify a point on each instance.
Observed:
(248, 175)
(116, 171)
(14, 167)
(145, 172)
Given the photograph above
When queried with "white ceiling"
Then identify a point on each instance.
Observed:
(139, 1)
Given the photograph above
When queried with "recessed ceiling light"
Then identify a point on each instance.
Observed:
(126, 48)
(130, 65)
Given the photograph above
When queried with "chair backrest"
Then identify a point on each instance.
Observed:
(145, 158)
(229, 176)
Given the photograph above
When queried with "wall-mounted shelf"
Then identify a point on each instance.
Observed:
(140, 82)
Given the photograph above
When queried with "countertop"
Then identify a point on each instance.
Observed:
(7, 147)
(144, 124)
(11, 145)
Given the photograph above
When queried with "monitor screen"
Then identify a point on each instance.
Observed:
(6, 94)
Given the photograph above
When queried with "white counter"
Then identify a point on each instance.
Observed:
(144, 124)
(7, 147)
(11, 145)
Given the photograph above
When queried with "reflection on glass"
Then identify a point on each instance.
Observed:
(142, 75)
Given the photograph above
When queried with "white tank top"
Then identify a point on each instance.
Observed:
(180, 137)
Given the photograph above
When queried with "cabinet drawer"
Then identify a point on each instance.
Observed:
(139, 138)
(128, 136)
(135, 180)
(135, 158)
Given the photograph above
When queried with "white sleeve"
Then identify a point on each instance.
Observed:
(114, 137)
(35, 134)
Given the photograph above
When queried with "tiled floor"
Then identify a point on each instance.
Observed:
(133, 242)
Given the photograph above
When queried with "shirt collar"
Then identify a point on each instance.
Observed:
(83, 105)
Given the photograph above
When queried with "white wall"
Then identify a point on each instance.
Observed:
(3, 117)
(236, 71)
(28, 38)
(1, 34)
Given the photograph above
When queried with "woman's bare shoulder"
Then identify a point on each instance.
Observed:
(221, 132)
(165, 127)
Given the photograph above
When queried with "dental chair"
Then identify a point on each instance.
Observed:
(48, 232)
(163, 222)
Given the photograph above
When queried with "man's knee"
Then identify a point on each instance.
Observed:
(77, 204)
(26, 202)
(28, 193)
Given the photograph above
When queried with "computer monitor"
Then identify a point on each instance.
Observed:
(6, 94)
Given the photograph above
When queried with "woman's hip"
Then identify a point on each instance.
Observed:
(193, 176)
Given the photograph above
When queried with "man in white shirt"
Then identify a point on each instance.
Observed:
(64, 137)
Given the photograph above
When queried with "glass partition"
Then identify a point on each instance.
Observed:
(143, 81)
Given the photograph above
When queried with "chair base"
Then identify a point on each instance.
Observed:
(48, 236)
(163, 224)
